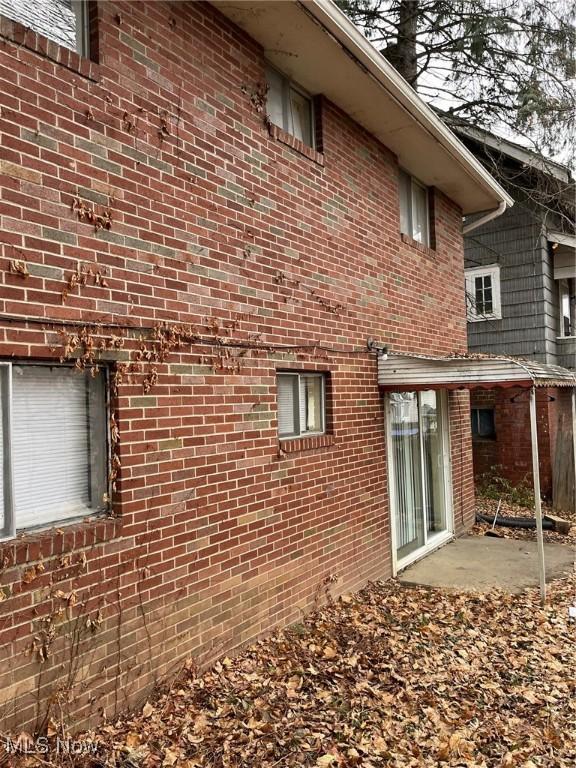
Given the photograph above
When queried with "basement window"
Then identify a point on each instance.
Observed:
(414, 209)
(290, 107)
(65, 22)
(483, 293)
(483, 424)
(301, 404)
(53, 445)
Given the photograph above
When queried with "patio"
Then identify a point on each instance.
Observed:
(479, 563)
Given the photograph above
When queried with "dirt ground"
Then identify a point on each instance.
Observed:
(489, 506)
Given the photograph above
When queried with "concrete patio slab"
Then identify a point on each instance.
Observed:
(482, 563)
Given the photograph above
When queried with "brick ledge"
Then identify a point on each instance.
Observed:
(296, 144)
(14, 32)
(416, 245)
(298, 444)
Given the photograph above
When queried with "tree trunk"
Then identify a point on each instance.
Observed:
(402, 55)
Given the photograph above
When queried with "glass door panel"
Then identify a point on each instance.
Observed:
(418, 468)
(408, 472)
(433, 462)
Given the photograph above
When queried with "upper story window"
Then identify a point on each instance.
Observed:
(53, 445)
(301, 404)
(483, 293)
(414, 209)
(565, 299)
(63, 21)
(290, 107)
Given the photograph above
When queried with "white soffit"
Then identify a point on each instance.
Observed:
(315, 44)
(564, 254)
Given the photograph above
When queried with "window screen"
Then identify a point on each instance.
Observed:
(301, 404)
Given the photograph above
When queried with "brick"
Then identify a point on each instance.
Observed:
(218, 531)
(17, 171)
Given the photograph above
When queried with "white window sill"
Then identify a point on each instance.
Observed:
(483, 319)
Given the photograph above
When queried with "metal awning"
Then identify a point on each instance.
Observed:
(410, 372)
(401, 373)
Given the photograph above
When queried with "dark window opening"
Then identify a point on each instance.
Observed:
(483, 423)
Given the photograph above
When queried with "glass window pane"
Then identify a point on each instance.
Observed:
(420, 213)
(433, 461)
(405, 437)
(479, 295)
(486, 426)
(311, 402)
(474, 421)
(55, 19)
(287, 399)
(58, 461)
(300, 119)
(275, 98)
(405, 203)
(565, 324)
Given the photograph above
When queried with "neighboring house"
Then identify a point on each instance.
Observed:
(521, 294)
(206, 219)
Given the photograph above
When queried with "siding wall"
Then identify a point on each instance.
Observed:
(529, 296)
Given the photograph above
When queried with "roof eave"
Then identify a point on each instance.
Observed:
(297, 36)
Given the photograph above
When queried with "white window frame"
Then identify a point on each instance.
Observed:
(492, 271)
(298, 376)
(11, 528)
(287, 87)
(412, 204)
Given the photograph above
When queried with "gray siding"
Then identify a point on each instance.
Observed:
(529, 296)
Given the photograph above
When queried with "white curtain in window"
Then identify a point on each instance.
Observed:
(300, 117)
(50, 444)
(419, 213)
(311, 404)
(405, 191)
(407, 471)
(275, 97)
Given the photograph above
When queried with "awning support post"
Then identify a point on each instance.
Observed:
(537, 500)
(574, 438)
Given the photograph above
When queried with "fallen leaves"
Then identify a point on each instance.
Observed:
(391, 676)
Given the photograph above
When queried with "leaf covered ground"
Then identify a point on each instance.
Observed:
(489, 507)
(390, 676)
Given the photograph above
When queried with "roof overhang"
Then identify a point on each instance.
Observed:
(315, 44)
(564, 250)
(503, 146)
(406, 373)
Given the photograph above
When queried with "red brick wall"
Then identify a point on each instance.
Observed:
(511, 451)
(217, 535)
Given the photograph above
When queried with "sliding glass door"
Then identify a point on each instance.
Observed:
(418, 443)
